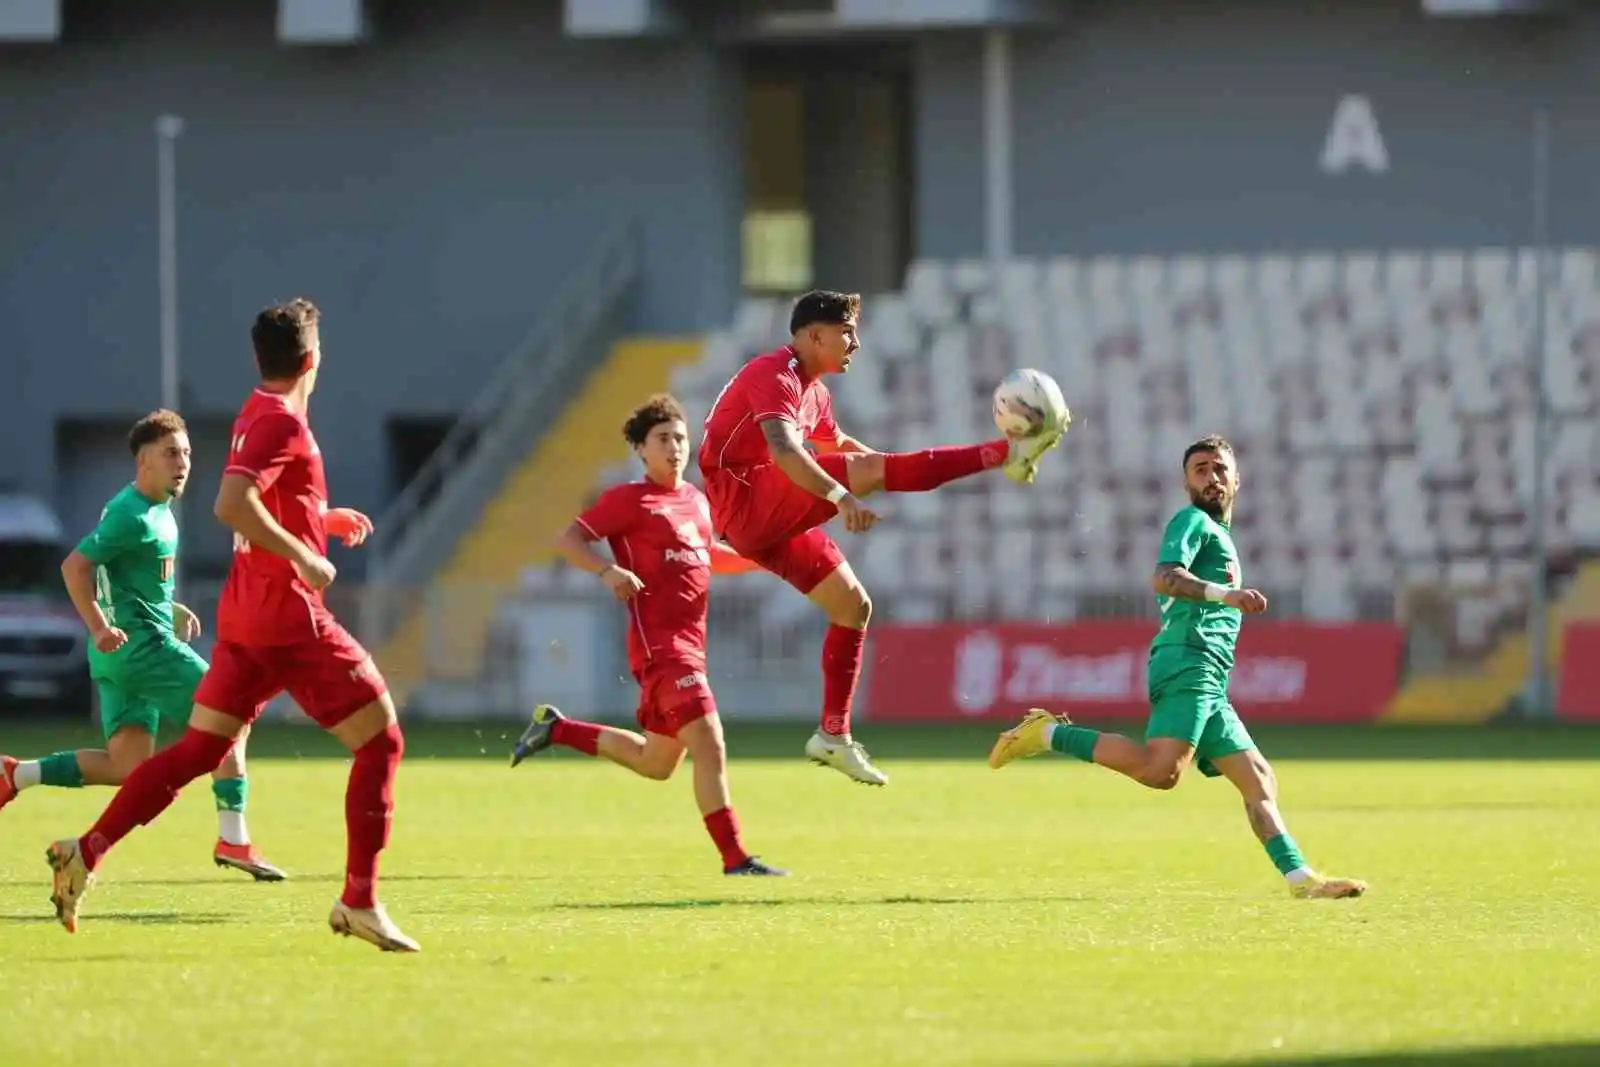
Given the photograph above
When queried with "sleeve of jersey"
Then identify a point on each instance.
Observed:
(777, 397)
(117, 533)
(609, 516)
(1185, 534)
(266, 449)
(827, 426)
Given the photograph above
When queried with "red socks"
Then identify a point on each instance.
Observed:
(368, 812)
(723, 826)
(152, 788)
(841, 669)
(583, 736)
(918, 472)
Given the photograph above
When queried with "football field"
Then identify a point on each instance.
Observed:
(1049, 913)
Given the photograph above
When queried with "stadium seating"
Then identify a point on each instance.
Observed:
(1382, 405)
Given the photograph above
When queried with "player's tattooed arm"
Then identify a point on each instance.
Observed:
(1174, 580)
(790, 456)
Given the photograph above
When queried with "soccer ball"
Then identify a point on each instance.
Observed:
(1025, 400)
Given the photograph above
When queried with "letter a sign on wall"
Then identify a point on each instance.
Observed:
(1354, 139)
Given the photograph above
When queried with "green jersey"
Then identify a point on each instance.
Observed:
(134, 549)
(1203, 546)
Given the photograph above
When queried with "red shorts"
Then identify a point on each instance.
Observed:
(769, 520)
(671, 696)
(331, 678)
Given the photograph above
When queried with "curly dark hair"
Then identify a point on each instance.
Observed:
(647, 416)
(153, 427)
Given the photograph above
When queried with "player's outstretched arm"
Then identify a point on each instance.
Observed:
(239, 507)
(1174, 580)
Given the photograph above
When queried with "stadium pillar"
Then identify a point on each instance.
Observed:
(997, 144)
(168, 129)
(1538, 696)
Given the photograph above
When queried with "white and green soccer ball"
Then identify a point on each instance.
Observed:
(1026, 401)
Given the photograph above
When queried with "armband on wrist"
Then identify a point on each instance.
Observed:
(1216, 592)
(837, 493)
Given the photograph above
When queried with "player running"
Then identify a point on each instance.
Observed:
(661, 527)
(120, 578)
(770, 496)
(274, 634)
(1199, 587)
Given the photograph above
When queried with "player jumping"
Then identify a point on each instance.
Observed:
(1199, 587)
(274, 634)
(120, 579)
(661, 526)
(770, 496)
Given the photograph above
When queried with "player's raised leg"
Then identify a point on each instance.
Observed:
(1157, 763)
(649, 755)
(1253, 776)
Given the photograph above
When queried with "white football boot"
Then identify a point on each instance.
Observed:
(845, 756)
(371, 925)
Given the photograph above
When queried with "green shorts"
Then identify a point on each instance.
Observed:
(1189, 701)
(155, 686)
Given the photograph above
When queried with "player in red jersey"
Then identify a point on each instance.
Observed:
(274, 633)
(663, 555)
(770, 496)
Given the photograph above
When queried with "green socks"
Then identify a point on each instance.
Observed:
(1285, 854)
(61, 769)
(1074, 741)
(231, 793)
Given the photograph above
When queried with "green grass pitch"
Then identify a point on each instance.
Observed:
(1049, 913)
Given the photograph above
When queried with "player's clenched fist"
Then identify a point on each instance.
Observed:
(858, 518)
(623, 583)
(109, 639)
(316, 572)
(1249, 601)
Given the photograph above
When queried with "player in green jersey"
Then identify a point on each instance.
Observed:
(1199, 587)
(120, 578)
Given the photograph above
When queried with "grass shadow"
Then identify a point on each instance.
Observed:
(780, 902)
(135, 918)
(1586, 1054)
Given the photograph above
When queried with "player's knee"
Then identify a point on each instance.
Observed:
(866, 473)
(858, 611)
(390, 744)
(1161, 775)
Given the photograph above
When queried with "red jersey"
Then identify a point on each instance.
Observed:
(662, 535)
(264, 603)
(768, 387)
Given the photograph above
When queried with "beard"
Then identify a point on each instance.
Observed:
(1216, 505)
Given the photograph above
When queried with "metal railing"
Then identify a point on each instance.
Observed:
(415, 534)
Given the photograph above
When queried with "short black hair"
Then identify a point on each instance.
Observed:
(647, 416)
(153, 427)
(281, 337)
(1211, 442)
(824, 306)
